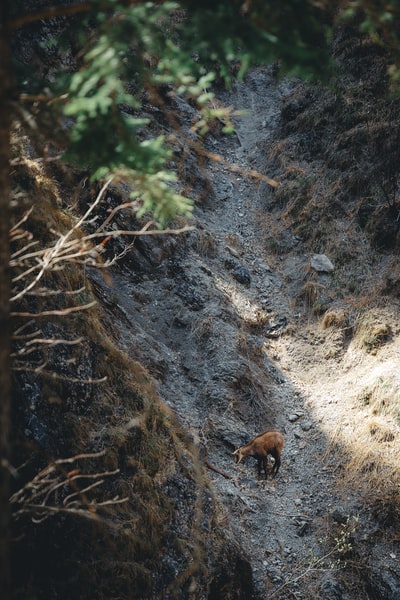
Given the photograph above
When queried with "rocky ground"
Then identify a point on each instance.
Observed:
(217, 321)
(221, 318)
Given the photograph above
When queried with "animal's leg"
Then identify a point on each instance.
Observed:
(265, 464)
(277, 463)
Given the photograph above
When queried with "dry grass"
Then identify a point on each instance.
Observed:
(371, 458)
(380, 431)
(125, 417)
(142, 438)
(235, 242)
(250, 348)
(391, 278)
(333, 318)
(370, 446)
(205, 244)
(256, 320)
(371, 333)
(382, 398)
(316, 297)
(202, 329)
(374, 459)
(334, 344)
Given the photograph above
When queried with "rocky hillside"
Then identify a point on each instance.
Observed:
(213, 336)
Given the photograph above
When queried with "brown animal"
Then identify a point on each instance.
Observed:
(270, 442)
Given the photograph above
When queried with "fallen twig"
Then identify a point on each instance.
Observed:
(212, 468)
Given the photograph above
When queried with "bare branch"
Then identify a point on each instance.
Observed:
(23, 327)
(56, 377)
(235, 168)
(72, 247)
(112, 214)
(91, 208)
(23, 352)
(140, 232)
(216, 470)
(82, 455)
(27, 336)
(67, 500)
(47, 292)
(62, 312)
(49, 511)
(21, 250)
(31, 346)
(47, 493)
(50, 256)
(23, 220)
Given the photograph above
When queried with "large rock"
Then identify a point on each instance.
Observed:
(321, 263)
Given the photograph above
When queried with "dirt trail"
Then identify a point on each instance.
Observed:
(280, 522)
(289, 525)
(194, 320)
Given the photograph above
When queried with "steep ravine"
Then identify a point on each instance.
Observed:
(214, 322)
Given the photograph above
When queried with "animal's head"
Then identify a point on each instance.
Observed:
(238, 454)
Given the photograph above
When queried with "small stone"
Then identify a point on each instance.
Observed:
(293, 417)
(306, 426)
(321, 263)
(303, 529)
(339, 516)
(242, 275)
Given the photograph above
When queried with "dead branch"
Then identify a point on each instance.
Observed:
(67, 500)
(48, 511)
(212, 468)
(142, 232)
(22, 220)
(19, 333)
(52, 375)
(235, 168)
(32, 344)
(50, 313)
(73, 247)
(112, 214)
(50, 256)
(204, 443)
(49, 492)
(70, 248)
(46, 292)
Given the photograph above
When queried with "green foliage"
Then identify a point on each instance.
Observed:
(127, 50)
(106, 136)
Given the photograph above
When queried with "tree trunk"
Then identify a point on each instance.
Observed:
(5, 370)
